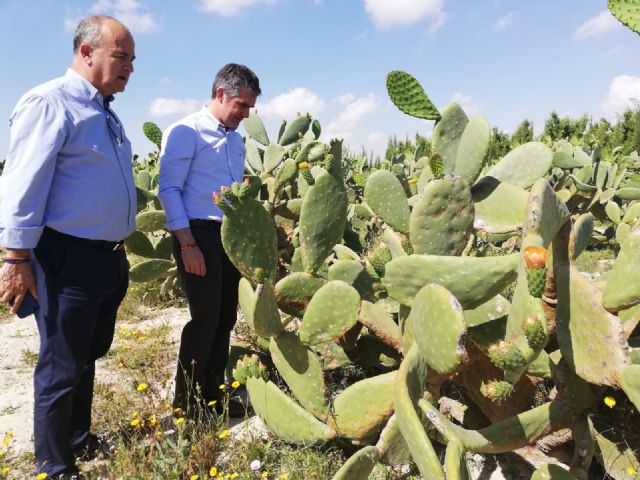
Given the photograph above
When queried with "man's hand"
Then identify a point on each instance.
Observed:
(191, 255)
(15, 281)
(194, 261)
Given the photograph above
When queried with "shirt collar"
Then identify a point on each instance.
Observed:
(86, 88)
(216, 125)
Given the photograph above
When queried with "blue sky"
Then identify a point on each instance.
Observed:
(504, 59)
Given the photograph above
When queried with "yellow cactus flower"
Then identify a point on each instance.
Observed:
(142, 387)
(609, 401)
(235, 384)
(303, 165)
(412, 181)
(224, 434)
(213, 471)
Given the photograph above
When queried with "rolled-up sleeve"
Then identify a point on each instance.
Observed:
(176, 155)
(37, 133)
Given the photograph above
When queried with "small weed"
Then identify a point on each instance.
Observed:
(29, 358)
(10, 410)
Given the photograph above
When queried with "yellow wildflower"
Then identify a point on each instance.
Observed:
(213, 471)
(224, 434)
(6, 441)
(135, 423)
(284, 475)
(142, 387)
(152, 421)
(235, 384)
(180, 420)
(41, 476)
(412, 181)
(212, 403)
(265, 474)
(631, 470)
(5, 471)
(234, 475)
(610, 401)
(194, 477)
(10, 433)
(222, 386)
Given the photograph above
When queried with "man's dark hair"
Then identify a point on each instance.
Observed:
(234, 77)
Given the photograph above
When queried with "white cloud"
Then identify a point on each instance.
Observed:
(230, 8)
(624, 93)
(602, 23)
(354, 113)
(164, 107)
(386, 14)
(287, 105)
(344, 99)
(505, 21)
(130, 12)
(466, 102)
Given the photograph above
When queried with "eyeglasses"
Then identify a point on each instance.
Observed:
(115, 129)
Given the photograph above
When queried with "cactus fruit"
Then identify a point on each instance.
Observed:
(436, 165)
(506, 356)
(306, 173)
(535, 332)
(535, 259)
(381, 256)
(359, 179)
(497, 391)
(249, 366)
(408, 95)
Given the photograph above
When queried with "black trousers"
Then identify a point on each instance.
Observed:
(80, 288)
(213, 301)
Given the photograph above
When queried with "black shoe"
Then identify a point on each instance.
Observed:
(76, 475)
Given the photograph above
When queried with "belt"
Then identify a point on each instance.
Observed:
(101, 244)
(205, 223)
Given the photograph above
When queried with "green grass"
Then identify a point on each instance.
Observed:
(597, 260)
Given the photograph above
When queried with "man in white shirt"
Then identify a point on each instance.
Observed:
(201, 153)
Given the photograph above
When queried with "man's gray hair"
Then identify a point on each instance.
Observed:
(233, 78)
(89, 31)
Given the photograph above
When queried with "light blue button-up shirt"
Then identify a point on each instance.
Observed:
(67, 167)
(198, 156)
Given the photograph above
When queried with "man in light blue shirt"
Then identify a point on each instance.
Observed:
(199, 154)
(67, 201)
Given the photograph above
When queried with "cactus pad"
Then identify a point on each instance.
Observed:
(332, 311)
(408, 95)
(437, 322)
(385, 195)
(440, 224)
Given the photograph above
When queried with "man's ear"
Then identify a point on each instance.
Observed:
(86, 52)
(219, 94)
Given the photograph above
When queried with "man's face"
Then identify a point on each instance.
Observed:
(232, 110)
(112, 62)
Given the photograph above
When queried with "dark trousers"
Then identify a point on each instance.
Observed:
(80, 288)
(213, 301)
